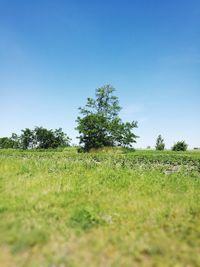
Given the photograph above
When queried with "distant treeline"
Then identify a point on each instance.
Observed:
(39, 137)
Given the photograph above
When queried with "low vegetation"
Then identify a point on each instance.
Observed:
(111, 207)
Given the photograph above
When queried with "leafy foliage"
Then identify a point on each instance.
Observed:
(160, 145)
(43, 138)
(180, 146)
(27, 139)
(39, 137)
(6, 142)
(100, 125)
(10, 142)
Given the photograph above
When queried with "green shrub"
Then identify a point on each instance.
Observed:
(180, 146)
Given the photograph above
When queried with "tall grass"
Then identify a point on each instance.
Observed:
(99, 209)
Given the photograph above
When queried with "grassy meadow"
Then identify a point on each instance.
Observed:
(110, 208)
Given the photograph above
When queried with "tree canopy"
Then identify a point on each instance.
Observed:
(99, 124)
(39, 137)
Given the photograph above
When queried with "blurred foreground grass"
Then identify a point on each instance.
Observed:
(99, 209)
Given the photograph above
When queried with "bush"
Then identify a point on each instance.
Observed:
(180, 146)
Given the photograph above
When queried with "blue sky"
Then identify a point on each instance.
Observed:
(54, 53)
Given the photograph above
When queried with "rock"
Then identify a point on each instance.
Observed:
(107, 218)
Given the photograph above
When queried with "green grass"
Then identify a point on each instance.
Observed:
(111, 208)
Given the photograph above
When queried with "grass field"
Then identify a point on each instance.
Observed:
(106, 209)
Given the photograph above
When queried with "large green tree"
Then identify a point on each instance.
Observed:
(99, 124)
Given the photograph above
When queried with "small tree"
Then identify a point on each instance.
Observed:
(180, 146)
(9, 142)
(6, 142)
(100, 125)
(61, 138)
(27, 139)
(16, 140)
(160, 145)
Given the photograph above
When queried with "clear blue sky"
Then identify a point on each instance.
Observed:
(54, 53)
